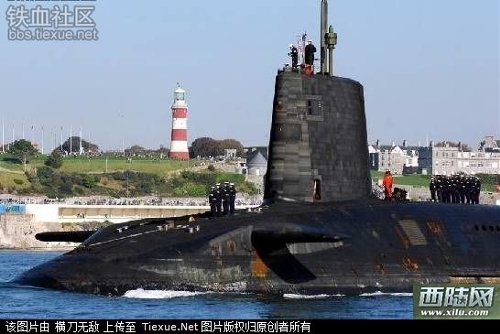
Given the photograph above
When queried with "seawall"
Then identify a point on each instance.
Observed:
(17, 231)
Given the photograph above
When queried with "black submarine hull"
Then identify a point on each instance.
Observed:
(323, 234)
(346, 249)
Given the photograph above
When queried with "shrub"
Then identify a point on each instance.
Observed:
(119, 176)
(55, 159)
(89, 181)
(45, 175)
(191, 189)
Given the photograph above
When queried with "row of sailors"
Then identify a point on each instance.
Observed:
(221, 199)
(458, 188)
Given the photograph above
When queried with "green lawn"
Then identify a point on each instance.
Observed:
(8, 165)
(487, 181)
(13, 180)
(103, 165)
(11, 174)
(412, 180)
(99, 165)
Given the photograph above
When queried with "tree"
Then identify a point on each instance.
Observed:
(204, 147)
(23, 150)
(55, 160)
(231, 144)
(163, 150)
(207, 147)
(135, 150)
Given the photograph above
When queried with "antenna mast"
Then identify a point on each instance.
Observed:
(323, 31)
(328, 41)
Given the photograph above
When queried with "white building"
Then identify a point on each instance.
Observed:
(392, 157)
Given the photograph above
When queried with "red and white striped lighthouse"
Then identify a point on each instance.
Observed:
(179, 146)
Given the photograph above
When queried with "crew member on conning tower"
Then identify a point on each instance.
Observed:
(309, 51)
(294, 53)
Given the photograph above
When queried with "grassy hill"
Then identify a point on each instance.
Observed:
(114, 176)
(122, 177)
(101, 165)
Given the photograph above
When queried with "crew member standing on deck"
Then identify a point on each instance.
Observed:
(433, 188)
(212, 200)
(294, 53)
(218, 199)
(232, 197)
(309, 54)
(225, 198)
(387, 183)
(476, 190)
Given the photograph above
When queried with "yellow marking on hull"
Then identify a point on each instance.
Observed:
(258, 268)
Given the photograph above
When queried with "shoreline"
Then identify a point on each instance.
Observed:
(38, 249)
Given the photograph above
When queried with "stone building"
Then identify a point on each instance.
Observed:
(392, 157)
(449, 158)
(443, 158)
(489, 144)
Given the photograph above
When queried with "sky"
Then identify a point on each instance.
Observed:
(430, 69)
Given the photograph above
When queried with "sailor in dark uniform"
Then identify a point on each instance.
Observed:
(218, 199)
(462, 188)
(439, 188)
(212, 200)
(309, 53)
(476, 190)
(225, 198)
(432, 188)
(446, 189)
(455, 195)
(232, 197)
(294, 53)
(468, 189)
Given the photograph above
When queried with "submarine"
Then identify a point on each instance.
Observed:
(320, 229)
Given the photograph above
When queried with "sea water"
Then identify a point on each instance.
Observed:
(26, 302)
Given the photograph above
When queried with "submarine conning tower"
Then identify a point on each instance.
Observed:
(318, 148)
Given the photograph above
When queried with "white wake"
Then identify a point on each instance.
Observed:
(159, 294)
(380, 293)
(299, 296)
